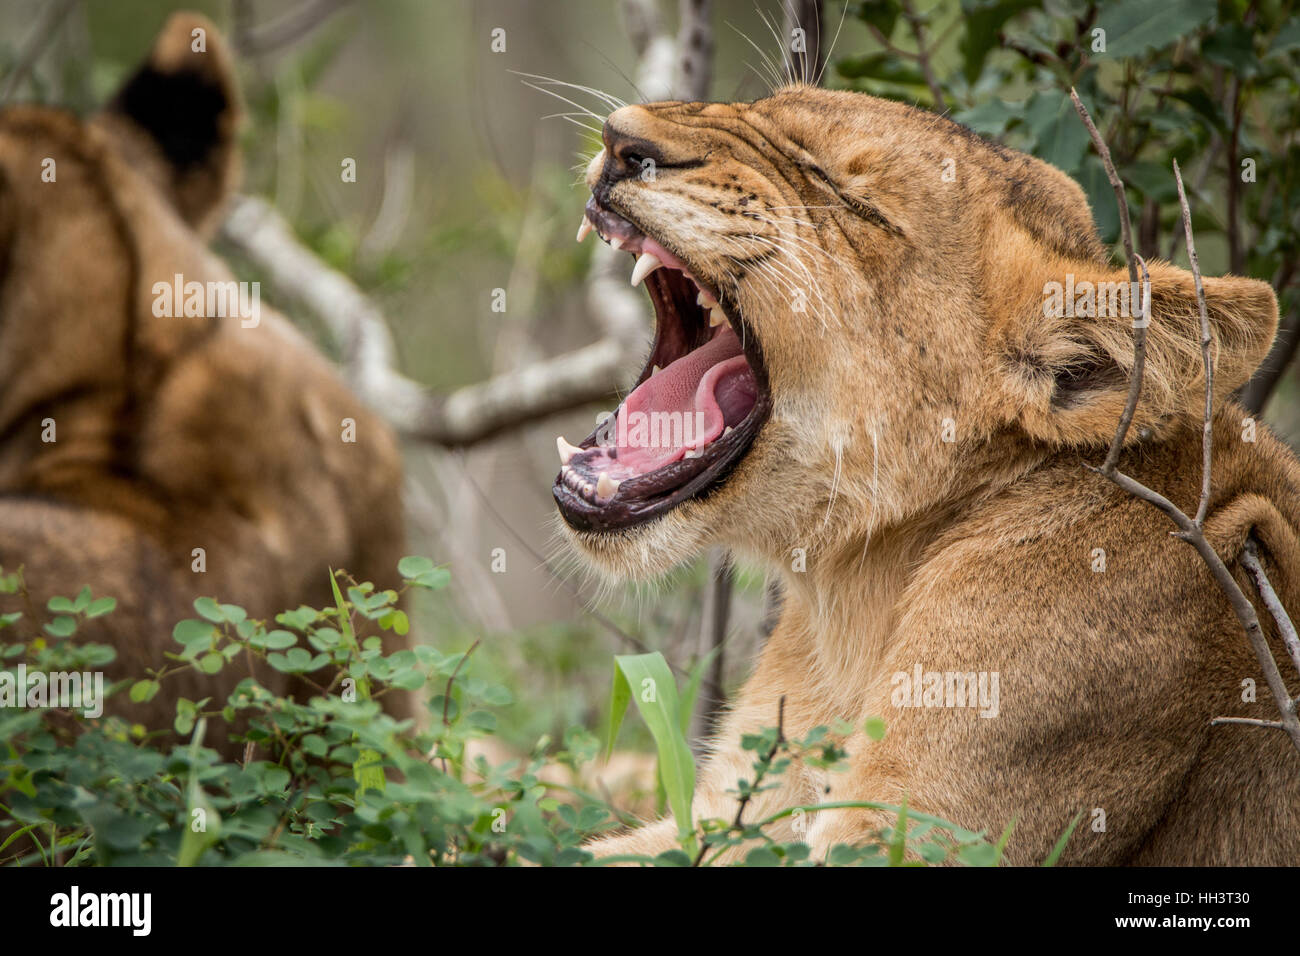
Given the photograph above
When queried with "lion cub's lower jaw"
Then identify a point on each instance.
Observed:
(642, 552)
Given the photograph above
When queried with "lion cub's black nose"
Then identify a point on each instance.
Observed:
(626, 154)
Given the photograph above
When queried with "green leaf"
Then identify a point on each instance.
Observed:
(104, 605)
(1136, 26)
(413, 566)
(1065, 838)
(881, 14)
(620, 695)
(368, 772)
(874, 727)
(274, 640)
(692, 691)
(649, 682)
(144, 690)
(83, 600)
(1060, 137)
(190, 631)
(61, 605)
(62, 627)
(210, 610)
(984, 20)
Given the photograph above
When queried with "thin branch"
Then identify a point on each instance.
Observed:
(55, 13)
(749, 793)
(1126, 228)
(1139, 328)
(1248, 721)
(288, 28)
(466, 416)
(1207, 439)
(1250, 561)
(923, 56)
(1191, 530)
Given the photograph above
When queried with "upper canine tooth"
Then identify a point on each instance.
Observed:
(584, 229)
(566, 450)
(646, 263)
(705, 300)
(716, 317)
(606, 486)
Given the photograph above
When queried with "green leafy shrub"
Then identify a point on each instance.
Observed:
(337, 781)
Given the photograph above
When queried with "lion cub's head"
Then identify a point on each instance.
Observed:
(864, 312)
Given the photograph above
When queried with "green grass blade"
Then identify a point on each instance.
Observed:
(1065, 838)
(651, 685)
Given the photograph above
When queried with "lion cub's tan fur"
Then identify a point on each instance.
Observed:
(926, 451)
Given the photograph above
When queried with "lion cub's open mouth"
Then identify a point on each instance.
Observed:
(696, 408)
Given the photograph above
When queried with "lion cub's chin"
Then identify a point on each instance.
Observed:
(643, 551)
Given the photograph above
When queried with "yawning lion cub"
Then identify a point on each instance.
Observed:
(860, 379)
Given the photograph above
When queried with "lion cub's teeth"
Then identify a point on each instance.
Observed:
(704, 300)
(645, 264)
(606, 486)
(693, 453)
(615, 242)
(727, 431)
(655, 370)
(717, 317)
(566, 450)
(584, 229)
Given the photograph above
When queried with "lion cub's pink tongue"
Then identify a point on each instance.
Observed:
(690, 391)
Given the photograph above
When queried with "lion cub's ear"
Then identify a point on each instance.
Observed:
(1066, 348)
(178, 117)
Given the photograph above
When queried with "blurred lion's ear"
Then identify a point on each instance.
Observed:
(1065, 347)
(179, 116)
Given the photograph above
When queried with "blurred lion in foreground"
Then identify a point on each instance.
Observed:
(153, 447)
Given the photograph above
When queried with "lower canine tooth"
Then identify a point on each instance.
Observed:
(704, 300)
(584, 228)
(727, 431)
(645, 264)
(716, 317)
(693, 453)
(606, 486)
(655, 370)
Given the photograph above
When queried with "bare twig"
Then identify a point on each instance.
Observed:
(1207, 439)
(750, 791)
(55, 13)
(288, 28)
(1139, 327)
(464, 417)
(1126, 228)
(446, 694)
(923, 56)
(1250, 561)
(1191, 530)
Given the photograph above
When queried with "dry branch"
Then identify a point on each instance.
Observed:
(1191, 530)
(356, 324)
